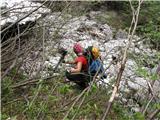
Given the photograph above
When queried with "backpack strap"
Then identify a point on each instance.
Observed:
(89, 55)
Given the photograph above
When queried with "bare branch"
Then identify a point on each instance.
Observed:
(153, 114)
(118, 79)
(32, 80)
(22, 18)
(148, 105)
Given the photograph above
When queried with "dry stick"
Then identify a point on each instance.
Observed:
(23, 17)
(7, 41)
(153, 114)
(43, 44)
(32, 68)
(32, 80)
(27, 50)
(46, 102)
(75, 102)
(15, 37)
(88, 90)
(69, 102)
(18, 36)
(21, 61)
(14, 62)
(12, 9)
(19, 42)
(150, 89)
(18, 99)
(43, 54)
(78, 107)
(34, 98)
(9, 47)
(148, 105)
(118, 79)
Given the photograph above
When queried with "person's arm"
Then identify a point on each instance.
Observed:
(70, 62)
(77, 68)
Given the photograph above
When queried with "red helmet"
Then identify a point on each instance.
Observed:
(77, 48)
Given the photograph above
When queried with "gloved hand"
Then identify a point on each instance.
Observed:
(72, 70)
(68, 70)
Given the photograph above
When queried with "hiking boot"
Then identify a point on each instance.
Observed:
(66, 80)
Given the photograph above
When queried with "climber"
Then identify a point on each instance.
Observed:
(78, 73)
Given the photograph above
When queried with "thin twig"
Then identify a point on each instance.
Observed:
(148, 105)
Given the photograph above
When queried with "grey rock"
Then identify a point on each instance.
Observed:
(106, 30)
(135, 109)
(137, 51)
(121, 34)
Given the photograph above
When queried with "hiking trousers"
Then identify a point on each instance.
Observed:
(82, 79)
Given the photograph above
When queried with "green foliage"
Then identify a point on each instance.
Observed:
(35, 95)
(157, 106)
(120, 112)
(110, 17)
(32, 112)
(6, 90)
(52, 98)
(149, 19)
(158, 56)
(153, 77)
(4, 116)
(17, 75)
(94, 88)
(142, 72)
(139, 116)
(151, 30)
(64, 89)
(149, 23)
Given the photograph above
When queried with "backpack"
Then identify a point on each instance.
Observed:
(94, 64)
(91, 53)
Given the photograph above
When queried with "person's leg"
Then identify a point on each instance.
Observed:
(78, 78)
(73, 76)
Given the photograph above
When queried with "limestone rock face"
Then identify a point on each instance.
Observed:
(20, 8)
(121, 34)
(86, 31)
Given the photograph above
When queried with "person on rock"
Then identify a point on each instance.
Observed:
(78, 73)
